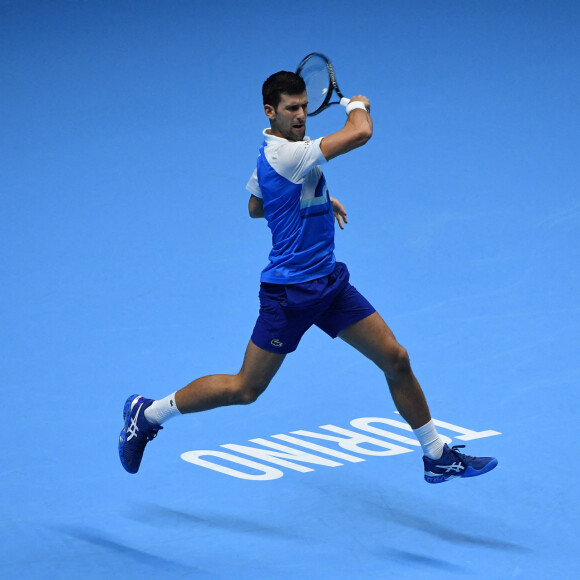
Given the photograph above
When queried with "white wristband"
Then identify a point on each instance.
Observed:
(355, 105)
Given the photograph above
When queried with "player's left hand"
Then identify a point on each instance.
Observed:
(339, 212)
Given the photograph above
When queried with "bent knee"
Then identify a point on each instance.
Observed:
(399, 363)
(245, 394)
(248, 396)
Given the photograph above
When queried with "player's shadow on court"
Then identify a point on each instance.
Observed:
(124, 553)
(411, 520)
(157, 515)
(413, 559)
(379, 507)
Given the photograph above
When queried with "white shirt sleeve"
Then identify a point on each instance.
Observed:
(253, 186)
(294, 160)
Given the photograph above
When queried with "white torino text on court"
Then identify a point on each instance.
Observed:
(354, 442)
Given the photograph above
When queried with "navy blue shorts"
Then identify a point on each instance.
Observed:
(288, 311)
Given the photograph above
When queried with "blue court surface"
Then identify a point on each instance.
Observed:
(129, 265)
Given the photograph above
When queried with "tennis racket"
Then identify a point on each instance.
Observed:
(318, 74)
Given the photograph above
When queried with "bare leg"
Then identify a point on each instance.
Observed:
(213, 391)
(373, 338)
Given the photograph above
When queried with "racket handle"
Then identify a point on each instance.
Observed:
(344, 101)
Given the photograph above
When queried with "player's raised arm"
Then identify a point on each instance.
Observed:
(357, 130)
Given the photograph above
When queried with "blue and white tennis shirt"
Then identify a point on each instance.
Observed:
(297, 207)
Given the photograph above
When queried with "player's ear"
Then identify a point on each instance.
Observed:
(270, 112)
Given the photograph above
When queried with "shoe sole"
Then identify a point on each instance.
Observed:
(127, 407)
(473, 473)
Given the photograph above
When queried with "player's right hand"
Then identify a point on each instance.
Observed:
(364, 100)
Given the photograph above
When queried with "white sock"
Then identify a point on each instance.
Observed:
(163, 410)
(430, 440)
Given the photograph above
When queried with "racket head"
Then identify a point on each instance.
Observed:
(318, 74)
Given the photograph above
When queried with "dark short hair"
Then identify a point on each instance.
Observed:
(281, 82)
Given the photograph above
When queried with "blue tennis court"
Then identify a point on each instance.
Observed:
(129, 265)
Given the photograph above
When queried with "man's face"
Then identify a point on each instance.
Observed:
(288, 120)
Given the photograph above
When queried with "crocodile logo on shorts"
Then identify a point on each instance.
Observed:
(276, 342)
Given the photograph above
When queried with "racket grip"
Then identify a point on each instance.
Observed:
(344, 101)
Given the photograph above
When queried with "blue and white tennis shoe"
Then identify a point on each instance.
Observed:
(453, 464)
(136, 433)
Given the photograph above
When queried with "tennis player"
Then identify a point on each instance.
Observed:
(302, 285)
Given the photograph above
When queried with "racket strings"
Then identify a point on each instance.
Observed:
(317, 76)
